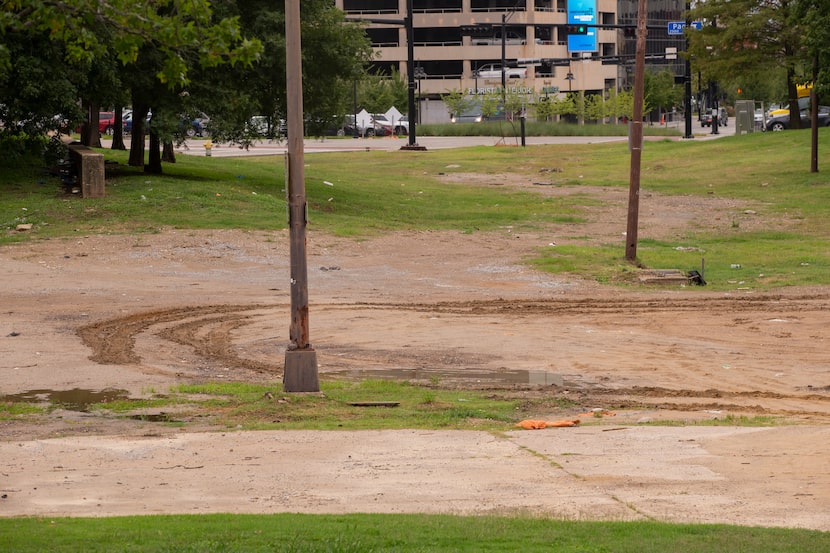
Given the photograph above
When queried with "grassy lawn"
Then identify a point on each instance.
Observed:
(368, 533)
(365, 193)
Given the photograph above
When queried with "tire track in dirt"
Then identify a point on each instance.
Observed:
(208, 332)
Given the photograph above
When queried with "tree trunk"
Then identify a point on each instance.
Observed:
(153, 166)
(137, 144)
(792, 93)
(90, 136)
(168, 154)
(118, 131)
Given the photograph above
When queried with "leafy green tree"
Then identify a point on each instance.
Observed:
(595, 108)
(89, 29)
(457, 102)
(334, 54)
(543, 107)
(378, 93)
(661, 92)
(490, 103)
(751, 37)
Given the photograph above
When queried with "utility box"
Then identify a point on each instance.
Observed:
(744, 116)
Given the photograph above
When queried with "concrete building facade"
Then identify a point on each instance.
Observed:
(448, 57)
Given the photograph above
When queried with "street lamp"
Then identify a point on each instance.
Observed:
(419, 75)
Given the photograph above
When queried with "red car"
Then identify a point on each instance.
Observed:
(106, 122)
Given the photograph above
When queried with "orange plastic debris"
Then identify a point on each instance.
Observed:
(537, 425)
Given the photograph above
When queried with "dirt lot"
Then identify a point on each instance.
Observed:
(136, 313)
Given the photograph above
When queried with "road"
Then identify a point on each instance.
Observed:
(332, 144)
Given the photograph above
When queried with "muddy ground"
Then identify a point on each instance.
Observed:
(136, 313)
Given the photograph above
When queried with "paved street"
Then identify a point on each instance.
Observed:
(195, 146)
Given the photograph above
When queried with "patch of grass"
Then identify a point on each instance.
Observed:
(513, 129)
(253, 406)
(10, 410)
(775, 231)
(367, 533)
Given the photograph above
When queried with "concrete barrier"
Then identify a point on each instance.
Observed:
(90, 166)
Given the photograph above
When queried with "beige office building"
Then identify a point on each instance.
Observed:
(447, 57)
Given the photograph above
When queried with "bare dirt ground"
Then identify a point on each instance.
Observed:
(137, 313)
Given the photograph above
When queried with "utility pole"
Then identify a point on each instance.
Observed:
(504, 61)
(300, 373)
(687, 78)
(636, 136)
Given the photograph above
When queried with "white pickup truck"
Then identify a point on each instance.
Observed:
(493, 71)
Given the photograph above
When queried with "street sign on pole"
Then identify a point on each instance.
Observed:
(676, 27)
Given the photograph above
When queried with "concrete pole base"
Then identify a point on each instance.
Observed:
(300, 371)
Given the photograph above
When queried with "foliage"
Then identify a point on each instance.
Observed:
(89, 30)
(376, 94)
(457, 102)
(815, 15)
(661, 92)
(751, 38)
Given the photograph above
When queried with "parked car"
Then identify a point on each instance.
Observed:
(127, 122)
(348, 128)
(723, 118)
(493, 71)
(106, 122)
(473, 116)
(381, 126)
(782, 122)
(402, 126)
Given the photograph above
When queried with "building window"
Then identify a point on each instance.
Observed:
(370, 6)
(497, 6)
(436, 6)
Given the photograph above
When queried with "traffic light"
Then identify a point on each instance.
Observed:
(576, 29)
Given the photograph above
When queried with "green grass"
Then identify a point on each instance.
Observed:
(253, 406)
(367, 533)
(776, 231)
(535, 128)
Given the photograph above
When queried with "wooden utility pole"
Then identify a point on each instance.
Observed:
(636, 135)
(300, 358)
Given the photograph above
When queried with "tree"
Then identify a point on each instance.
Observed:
(457, 102)
(335, 53)
(660, 91)
(748, 37)
(84, 42)
(90, 29)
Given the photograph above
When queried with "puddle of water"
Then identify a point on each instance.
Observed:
(76, 399)
(534, 377)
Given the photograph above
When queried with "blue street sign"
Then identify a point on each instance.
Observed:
(676, 27)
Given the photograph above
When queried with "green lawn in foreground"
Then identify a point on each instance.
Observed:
(367, 533)
(776, 232)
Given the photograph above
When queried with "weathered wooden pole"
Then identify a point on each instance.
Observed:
(300, 358)
(636, 135)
